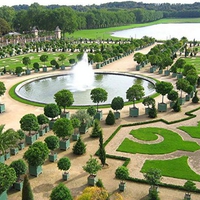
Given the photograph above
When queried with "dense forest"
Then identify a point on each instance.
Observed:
(22, 18)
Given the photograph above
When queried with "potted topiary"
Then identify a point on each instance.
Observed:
(76, 124)
(42, 120)
(92, 167)
(189, 186)
(21, 138)
(52, 111)
(64, 98)
(135, 92)
(7, 178)
(19, 71)
(63, 129)
(36, 67)
(148, 101)
(20, 168)
(163, 88)
(52, 143)
(98, 95)
(36, 154)
(195, 99)
(172, 96)
(117, 104)
(85, 120)
(122, 173)
(91, 110)
(29, 123)
(189, 90)
(62, 57)
(64, 164)
(2, 91)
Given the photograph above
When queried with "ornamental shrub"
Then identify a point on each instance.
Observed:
(79, 148)
(110, 119)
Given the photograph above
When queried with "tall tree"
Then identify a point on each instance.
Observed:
(102, 151)
(27, 193)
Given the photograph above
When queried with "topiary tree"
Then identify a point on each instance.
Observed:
(18, 70)
(98, 95)
(52, 142)
(79, 148)
(44, 58)
(51, 110)
(7, 177)
(110, 119)
(163, 88)
(36, 66)
(2, 89)
(102, 151)
(189, 186)
(64, 164)
(153, 112)
(76, 124)
(21, 135)
(172, 95)
(29, 123)
(182, 85)
(62, 57)
(96, 130)
(26, 61)
(195, 99)
(63, 128)
(64, 98)
(117, 103)
(91, 111)
(61, 192)
(122, 173)
(20, 167)
(27, 193)
(42, 119)
(148, 101)
(92, 166)
(135, 92)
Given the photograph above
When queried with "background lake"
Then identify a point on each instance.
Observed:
(163, 31)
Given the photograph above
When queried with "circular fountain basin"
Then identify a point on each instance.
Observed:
(42, 89)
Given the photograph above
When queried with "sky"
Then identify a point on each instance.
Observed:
(84, 2)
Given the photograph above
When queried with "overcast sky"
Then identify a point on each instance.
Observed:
(84, 2)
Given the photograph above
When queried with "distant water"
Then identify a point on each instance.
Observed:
(163, 31)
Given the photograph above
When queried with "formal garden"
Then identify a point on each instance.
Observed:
(43, 137)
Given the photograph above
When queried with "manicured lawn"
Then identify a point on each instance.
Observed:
(15, 61)
(143, 135)
(194, 61)
(172, 142)
(176, 168)
(193, 131)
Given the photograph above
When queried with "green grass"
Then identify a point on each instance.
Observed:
(105, 33)
(194, 61)
(171, 143)
(143, 135)
(12, 62)
(193, 131)
(176, 168)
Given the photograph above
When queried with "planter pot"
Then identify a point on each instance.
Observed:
(36, 70)
(75, 136)
(14, 151)
(47, 129)
(62, 67)
(122, 186)
(65, 176)
(187, 196)
(167, 72)
(174, 75)
(152, 69)
(44, 69)
(64, 145)
(53, 68)
(152, 188)
(37, 135)
(28, 72)
(117, 115)
(53, 157)
(181, 100)
(162, 107)
(138, 67)
(65, 115)
(3, 195)
(2, 158)
(35, 170)
(98, 66)
(99, 115)
(179, 76)
(18, 185)
(83, 128)
(19, 74)
(41, 132)
(187, 97)
(133, 112)
(21, 146)
(30, 139)
(92, 179)
(160, 71)
(147, 111)
(2, 108)
(171, 104)
(7, 155)
(51, 123)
